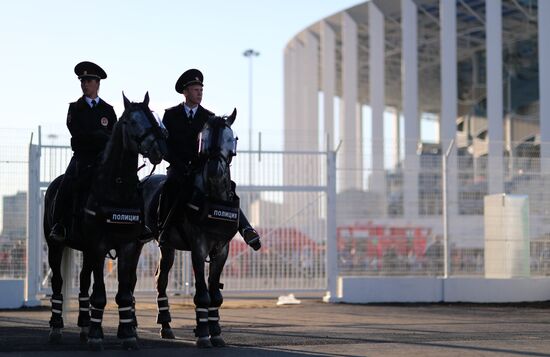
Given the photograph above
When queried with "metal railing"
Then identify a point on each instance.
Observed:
(291, 219)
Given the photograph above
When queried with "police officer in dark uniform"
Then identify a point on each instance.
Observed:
(184, 122)
(90, 121)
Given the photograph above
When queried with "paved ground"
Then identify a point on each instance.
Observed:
(254, 327)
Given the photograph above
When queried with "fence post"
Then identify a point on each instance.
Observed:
(332, 245)
(445, 211)
(32, 280)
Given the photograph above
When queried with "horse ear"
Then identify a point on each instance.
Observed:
(146, 99)
(126, 101)
(232, 117)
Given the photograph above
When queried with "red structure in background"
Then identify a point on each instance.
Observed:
(363, 248)
(372, 239)
(278, 239)
(284, 251)
(374, 242)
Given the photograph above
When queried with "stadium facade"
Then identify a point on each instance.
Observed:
(478, 71)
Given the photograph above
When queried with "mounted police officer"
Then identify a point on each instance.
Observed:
(184, 122)
(90, 121)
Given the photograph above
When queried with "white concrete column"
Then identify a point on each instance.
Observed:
(359, 140)
(377, 89)
(311, 104)
(34, 234)
(289, 84)
(495, 172)
(544, 83)
(311, 89)
(449, 98)
(292, 107)
(300, 109)
(409, 73)
(350, 128)
(396, 145)
(293, 94)
(328, 70)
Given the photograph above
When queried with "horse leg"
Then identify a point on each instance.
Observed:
(98, 300)
(201, 300)
(133, 280)
(84, 299)
(166, 261)
(217, 262)
(124, 299)
(55, 253)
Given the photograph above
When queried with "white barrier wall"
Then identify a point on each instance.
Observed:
(506, 221)
(13, 293)
(363, 290)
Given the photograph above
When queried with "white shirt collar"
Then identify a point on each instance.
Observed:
(89, 101)
(187, 109)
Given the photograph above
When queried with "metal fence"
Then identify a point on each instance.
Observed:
(13, 209)
(290, 218)
(376, 236)
(291, 198)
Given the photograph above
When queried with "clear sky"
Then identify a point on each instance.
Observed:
(145, 46)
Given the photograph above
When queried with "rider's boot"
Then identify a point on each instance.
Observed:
(165, 205)
(251, 237)
(61, 204)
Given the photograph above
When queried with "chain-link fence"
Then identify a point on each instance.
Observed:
(291, 219)
(381, 229)
(13, 212)
(376, 236)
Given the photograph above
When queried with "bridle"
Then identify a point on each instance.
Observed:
(154, 128)
(214, 154)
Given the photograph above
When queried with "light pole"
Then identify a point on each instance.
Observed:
(250, 53)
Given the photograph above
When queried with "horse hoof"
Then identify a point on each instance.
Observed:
(167, 333)
(55, 335)
(204, 342)
(96, 344)
(130, 343)
(84, 334)
(217, 341)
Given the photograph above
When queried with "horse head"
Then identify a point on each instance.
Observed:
(136, 132)
(143, 132)
(217, 146)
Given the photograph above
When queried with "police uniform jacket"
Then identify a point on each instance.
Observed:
(90, 128)
(183, 134)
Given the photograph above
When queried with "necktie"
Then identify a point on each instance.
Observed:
(93, 103)
(190, 114)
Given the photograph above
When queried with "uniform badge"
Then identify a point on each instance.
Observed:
(104, 121)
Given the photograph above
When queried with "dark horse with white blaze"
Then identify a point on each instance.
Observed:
(108, 216)
(204, 225)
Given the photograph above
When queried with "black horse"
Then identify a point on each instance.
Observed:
(205, 225)
(108, 216)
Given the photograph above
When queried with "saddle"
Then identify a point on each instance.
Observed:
(113, 218)
(214, 214)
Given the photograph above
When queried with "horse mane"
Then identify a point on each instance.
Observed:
(110, 169)
(109, 147)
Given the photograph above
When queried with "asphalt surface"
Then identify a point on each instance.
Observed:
(257, 327)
